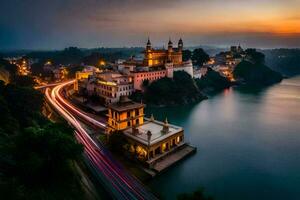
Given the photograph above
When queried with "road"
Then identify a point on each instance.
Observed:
(117, 181)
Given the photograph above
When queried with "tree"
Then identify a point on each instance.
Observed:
(70, 55)
(256, 74)
(93, 59)
(179, 90)
(36, 155)
(11, 68)
(117, 141)
(24, 103)
(73, 70)
(255, 56)
(186, 55)
(145, 83)
(199, 57)
(25, 81)
(213, 81)
(43, 153)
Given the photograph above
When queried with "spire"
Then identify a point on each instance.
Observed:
(152, 118)
(166, 121)
(149, 134)
(148, 42)
(165, 126)
(170, 42)
(170, 48)
(180, 44)
(148, 46)
(180, 41)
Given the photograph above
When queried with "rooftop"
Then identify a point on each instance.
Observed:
(155, 127)
(125, 104)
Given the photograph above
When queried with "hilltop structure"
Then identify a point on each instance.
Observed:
(159, 63)
(156, 57)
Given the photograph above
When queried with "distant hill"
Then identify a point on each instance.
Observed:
(257, 74)
(285, 61)
(74, 55)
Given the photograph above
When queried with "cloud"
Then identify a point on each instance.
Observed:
(90, 23)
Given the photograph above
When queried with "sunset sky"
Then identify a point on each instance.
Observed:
(55, 24)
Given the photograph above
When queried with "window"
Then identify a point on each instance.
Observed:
(128, 114)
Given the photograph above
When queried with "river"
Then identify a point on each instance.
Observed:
(248, 145)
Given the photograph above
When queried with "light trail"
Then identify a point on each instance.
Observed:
(113, 176)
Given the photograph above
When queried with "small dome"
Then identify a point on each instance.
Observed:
(180, 41)
(148, 42)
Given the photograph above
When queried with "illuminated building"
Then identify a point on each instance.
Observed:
(80, 77)
(159, 63)
(125, 114)
(156, 57)
(109, 86)
(60, 73)
(149, 139)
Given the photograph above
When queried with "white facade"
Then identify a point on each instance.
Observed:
(140, 77)
(186, 66)
(110, 86)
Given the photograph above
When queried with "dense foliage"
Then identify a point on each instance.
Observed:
(212, 81)
(255, 56)
(256, 74)
(186, 55)
(12, 69)
(75, 56)
(167, 91)
(36, 155)
(199, 57)
(253, 70)
(116, 142)
(93, 59)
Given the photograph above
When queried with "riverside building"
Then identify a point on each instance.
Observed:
(150, 140)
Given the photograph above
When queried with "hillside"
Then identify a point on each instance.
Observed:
(181, 89)
(285, 61)
(256, 74)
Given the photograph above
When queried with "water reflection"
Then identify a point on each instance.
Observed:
(248, 144)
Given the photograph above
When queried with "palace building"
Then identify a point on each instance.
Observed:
(159, 63)
(157, 57)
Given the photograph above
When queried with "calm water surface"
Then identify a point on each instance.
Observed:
(248, 145)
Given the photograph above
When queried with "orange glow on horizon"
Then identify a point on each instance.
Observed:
(232, 17)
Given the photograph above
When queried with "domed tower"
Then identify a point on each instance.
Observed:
(148, 46)
(180, 45)
(170, 45)
(170, 50)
